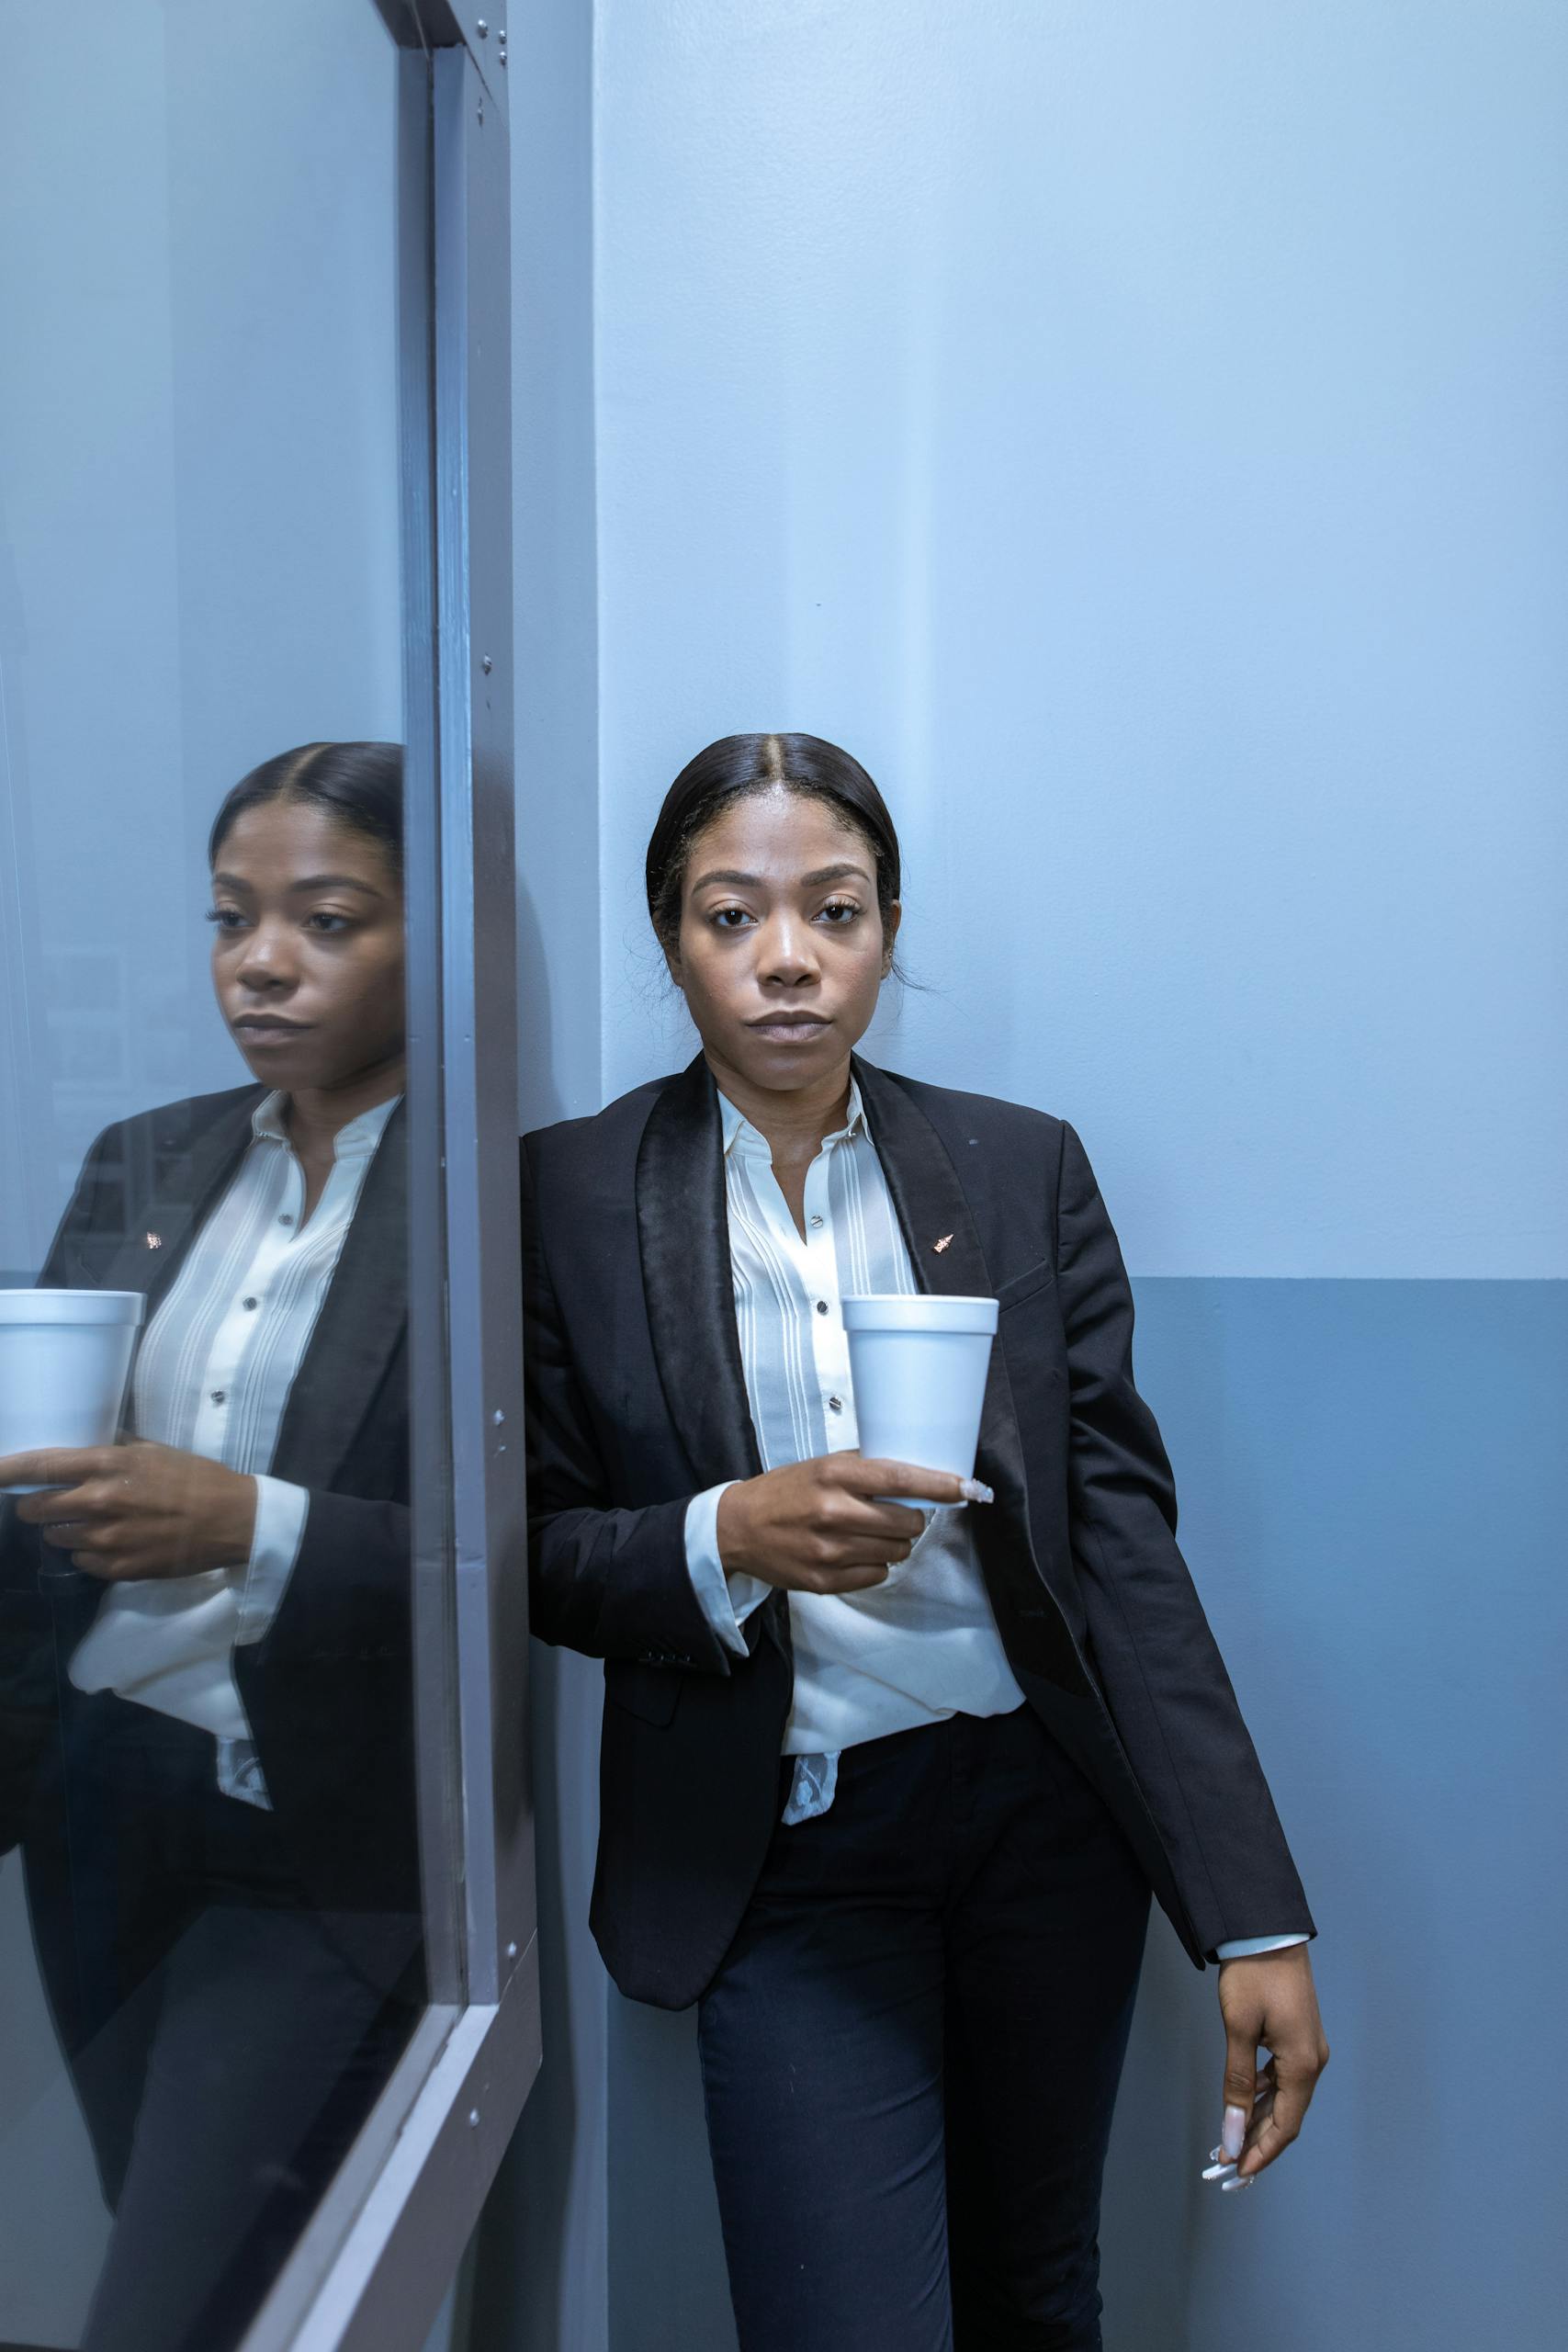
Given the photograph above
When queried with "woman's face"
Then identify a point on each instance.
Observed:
(308, 947)
(781, 951)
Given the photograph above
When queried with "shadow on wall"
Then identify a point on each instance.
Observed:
(536, 2268)
(1153, 2194)
(667, 2288)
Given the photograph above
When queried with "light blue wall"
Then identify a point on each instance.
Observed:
(1139, 434)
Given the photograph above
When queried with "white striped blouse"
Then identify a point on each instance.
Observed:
(922, 1645)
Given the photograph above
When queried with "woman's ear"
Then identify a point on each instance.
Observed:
(890, 923)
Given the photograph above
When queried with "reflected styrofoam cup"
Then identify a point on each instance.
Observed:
(917, 1370)
(64, 1359)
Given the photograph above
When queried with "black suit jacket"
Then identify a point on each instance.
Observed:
(637, 1400)
(327, 1690)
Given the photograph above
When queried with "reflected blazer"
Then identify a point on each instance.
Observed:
(638, 1401)
(327, 1689)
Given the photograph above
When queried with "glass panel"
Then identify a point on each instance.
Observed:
(211, 1952)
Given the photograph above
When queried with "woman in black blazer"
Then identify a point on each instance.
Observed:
(221, 1873)
(884, 1791)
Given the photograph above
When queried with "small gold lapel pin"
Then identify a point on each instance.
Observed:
(940, 1246)
(154, 1241)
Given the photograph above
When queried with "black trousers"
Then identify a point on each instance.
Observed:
(223, 2052)
(910, 2052)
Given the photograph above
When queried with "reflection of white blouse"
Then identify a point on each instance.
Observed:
(212, 1376)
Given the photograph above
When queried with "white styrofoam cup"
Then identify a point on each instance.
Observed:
(918, 1368)
(64, 1359)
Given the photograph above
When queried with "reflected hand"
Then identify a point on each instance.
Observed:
(1268, 1998)
(137, 1510)
(818, 1526)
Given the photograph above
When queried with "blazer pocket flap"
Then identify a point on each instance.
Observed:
(651, 1693)
(1033, 1279)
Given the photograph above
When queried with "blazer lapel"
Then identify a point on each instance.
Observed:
(683, 1238)
(682, 1227)
(360, 1325)
(933, 1207)
(931, 1204)
(166, 1200)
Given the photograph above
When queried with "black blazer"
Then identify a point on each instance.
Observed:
(637, 1400)
(327, 1690)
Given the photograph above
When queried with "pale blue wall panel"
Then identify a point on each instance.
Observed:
(1139, 434)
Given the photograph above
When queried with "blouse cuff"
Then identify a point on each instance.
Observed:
(1246, 1947)
(281, 1510)
(726, 1602)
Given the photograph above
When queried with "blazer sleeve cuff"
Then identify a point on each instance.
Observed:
(1246, 1947)
(726, 1602)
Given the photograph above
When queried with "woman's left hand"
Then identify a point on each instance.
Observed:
(137, 1510)
(1268, 1998)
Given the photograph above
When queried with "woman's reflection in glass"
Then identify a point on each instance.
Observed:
(205, 1726)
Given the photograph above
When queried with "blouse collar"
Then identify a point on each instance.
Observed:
(358, 1141)
(750, 1143)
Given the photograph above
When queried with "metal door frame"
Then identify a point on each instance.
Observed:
(371, 2268)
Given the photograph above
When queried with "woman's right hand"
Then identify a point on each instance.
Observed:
(818, 1526)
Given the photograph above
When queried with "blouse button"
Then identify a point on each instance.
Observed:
(835, 1404)
(821, 1307)
(816, 1220)
(286, 1220)
(248, 1303)
(220, 1395)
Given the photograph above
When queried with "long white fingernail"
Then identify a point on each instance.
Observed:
(974, 1492)
(1241, 2181)
(1218, 2172)
(1235, 2131)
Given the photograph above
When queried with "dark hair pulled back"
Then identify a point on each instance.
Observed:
(737, 768)
(359, 785)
